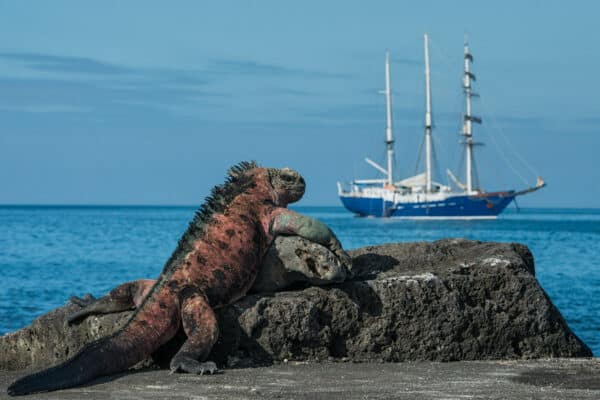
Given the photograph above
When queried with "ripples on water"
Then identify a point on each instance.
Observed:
(48, 254)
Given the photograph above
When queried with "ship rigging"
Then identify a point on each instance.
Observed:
(420, 196)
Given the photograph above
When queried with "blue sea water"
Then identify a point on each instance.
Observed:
(49, 253)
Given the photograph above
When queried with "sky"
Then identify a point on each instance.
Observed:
(147, 102)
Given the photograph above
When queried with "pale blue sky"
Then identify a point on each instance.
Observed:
(141, 102)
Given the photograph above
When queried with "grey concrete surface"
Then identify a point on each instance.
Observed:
(539, 379)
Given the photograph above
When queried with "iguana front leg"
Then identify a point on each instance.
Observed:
(124, 297)
(288, 222)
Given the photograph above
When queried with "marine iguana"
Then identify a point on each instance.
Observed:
(213, 265)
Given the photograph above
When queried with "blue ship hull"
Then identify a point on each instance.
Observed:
(462, 206)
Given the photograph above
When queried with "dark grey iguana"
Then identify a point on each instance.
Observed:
(296, 261)
(215, 263)
(290, 260)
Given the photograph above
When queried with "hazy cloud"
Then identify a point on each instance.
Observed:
(406, 61)
(65, 64)
(248, 67)
(515, 119)
(364, 112)
(592, 121)
(106, 97)
(286, 91)
(83, 84)
(54, 108)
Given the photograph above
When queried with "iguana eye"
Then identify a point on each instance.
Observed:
(287, 178)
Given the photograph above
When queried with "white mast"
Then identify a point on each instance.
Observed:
(468, 118)
(427, 118)
(389, 141)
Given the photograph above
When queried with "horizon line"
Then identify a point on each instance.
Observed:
(181, 205)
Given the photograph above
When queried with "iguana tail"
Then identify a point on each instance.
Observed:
(141, 336)
(99, 358)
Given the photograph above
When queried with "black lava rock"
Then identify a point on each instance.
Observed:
(449, 300)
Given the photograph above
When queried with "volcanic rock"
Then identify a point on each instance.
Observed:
(453, 299)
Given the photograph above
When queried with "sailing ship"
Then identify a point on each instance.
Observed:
(420, 196)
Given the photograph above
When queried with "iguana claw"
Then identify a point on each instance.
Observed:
(84, 301)
(345, 258)
(191, 366)
(336, 248)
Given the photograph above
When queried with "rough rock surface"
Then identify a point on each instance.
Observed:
(447, 300)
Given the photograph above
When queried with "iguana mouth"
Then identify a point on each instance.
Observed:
(301, 186)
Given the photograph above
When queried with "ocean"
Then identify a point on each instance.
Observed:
(49, 253)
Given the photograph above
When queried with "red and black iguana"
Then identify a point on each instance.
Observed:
(214, 264)
(305, 263)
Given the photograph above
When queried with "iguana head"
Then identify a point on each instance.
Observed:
(281, 185)
(288, 185)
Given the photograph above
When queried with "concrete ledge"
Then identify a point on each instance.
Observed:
(539, 379)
